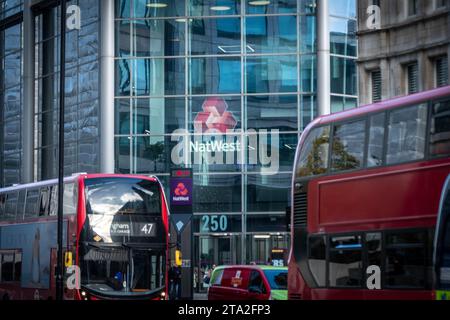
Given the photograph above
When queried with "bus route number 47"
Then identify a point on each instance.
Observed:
(147, 228)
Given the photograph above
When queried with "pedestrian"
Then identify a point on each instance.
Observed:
(174, 282)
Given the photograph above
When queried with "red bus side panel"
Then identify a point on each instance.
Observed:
(379, 199)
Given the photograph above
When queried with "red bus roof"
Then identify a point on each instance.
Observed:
(396, 102)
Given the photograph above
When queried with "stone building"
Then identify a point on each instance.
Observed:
(403, 47)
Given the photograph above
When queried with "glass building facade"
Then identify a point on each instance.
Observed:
(189, 75)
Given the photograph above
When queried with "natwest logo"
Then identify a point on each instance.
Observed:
(214, 117)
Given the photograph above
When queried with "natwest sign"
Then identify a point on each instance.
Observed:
(214, 117)
(181, 188)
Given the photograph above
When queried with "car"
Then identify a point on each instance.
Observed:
(248, 282)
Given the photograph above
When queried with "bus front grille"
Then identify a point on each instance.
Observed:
(300, 206)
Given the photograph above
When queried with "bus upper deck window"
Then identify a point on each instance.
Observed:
(406, 130)
(376, 140)
(440, 129)
(313, 158)
(348, 145)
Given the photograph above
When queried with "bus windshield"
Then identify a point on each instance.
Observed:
(112, 196)
(122, 270)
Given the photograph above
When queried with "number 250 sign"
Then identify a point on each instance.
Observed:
(214, 223)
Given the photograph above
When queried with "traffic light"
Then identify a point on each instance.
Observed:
(178, 257)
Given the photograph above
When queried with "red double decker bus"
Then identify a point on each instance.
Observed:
(115, 232)
(365, 197)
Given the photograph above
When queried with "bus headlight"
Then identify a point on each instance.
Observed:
(163, 295)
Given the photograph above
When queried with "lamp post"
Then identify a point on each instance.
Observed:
(62, 71)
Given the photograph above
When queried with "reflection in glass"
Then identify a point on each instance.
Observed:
(268, 193)
(313, 159)
(272, 112)
(215, 36)
(343, 36)
(215, 75)
(307, 33)
(158, 38)
(158, 8)
(271, 74)
(343, 75)
(308, 110)
(271, 34)
(213, 7)
(158, 115)
(273, 6)
(217, 193)
(376, 140)
(308, 73)
(344, 8)
(348, 146)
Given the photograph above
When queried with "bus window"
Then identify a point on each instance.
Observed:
(21, 204)
(373, 247)
(11, 206)
(7, 267)
(317, 259)
(17, 266)
(406, 134)
(444, 247)
(440, 129)
(313, 158)
(345, 262)
(70, 199)
(43, 204)
(376, 139)
(53, 200)
(2, 206)
(31, 203)
(348, 145)
(406, 259)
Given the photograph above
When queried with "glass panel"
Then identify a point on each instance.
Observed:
(308, 33)
(271, 34)
(308, 110)
(158, 77)
(122, 196)
(343, 36)
(158, 115)
(343, 76)
(406, 135)
(217, 193)
(270, 152)
(215, 75)
(209, 114)
(345, 261)
(373, 246)
(152, 154)
(307, 6)
(343, 103)
(317, 259)
(157, 8)
(159, 37)
(12, 39)
(268, 193)
(11, 206)
(406, 260)
(376, 140)
(213, 7)
(7, 267)
(122, 152)
(440, 129)
(348, 146)
(31, 203)
(345, 8)
(70, 201)
(271, 74)
(308, 73)
(313, 158)
(215, 36)
(122, 116)
(272, 112)
(266, 222)
(274, 6)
